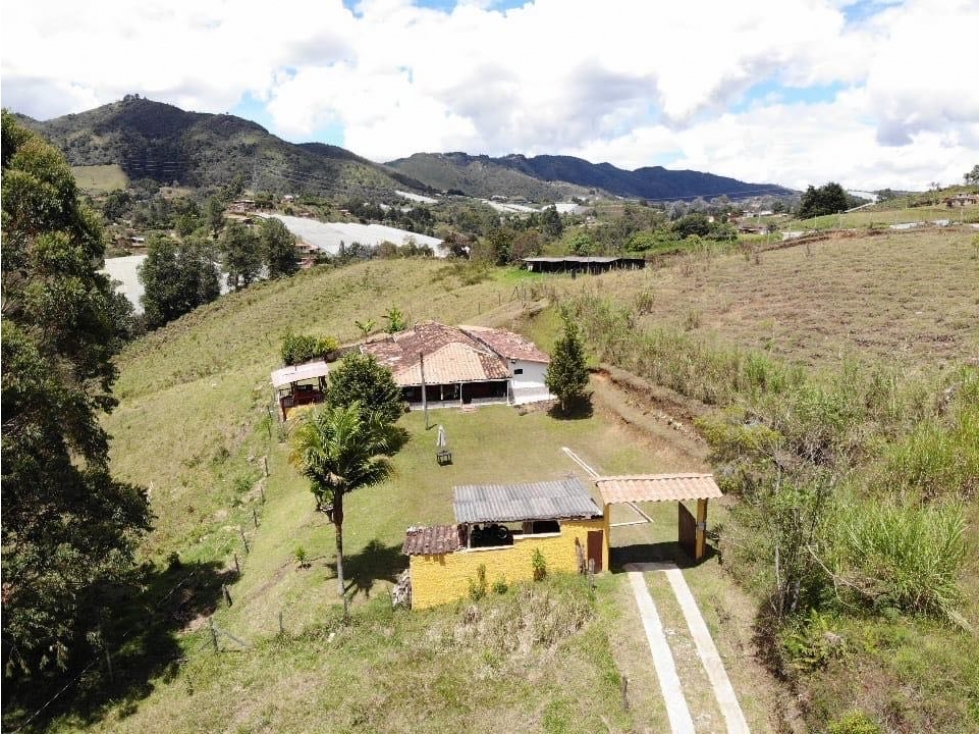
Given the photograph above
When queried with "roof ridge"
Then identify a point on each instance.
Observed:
(677, 475)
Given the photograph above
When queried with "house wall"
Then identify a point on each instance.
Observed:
(529, 386)
(440, 579)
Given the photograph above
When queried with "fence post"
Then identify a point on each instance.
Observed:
(237, 566)
(282, 629)
(214, 634)
(625, 693)
(265, 464)
(227, 594)
(255, 517)
(243, 538)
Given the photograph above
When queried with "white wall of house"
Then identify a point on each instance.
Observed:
(527, 383)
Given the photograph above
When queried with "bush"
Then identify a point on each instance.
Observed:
(477, 586)
(855, 722)
(500, 585)
(300, 556)
(540, 565)
(900, 554)
(300, 348)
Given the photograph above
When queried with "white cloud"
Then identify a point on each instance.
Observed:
(627, 82)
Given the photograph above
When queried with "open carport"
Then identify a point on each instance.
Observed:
(679, 488)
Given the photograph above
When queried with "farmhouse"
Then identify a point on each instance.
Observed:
(501, 527)
(576, 264)
(454, 366)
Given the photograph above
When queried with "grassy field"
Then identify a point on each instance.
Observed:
(192, 427)
(100, 179)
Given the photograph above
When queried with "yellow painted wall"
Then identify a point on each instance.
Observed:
(439, 579)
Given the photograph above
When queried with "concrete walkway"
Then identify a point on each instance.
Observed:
(727, 700)
(724, 693)
(669, 682)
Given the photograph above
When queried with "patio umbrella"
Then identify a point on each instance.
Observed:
(440, 442)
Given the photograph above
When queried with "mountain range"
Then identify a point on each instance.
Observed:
(162, 142)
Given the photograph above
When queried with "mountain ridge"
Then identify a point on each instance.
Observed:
(159, 141)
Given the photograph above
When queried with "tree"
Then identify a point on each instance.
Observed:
(396, 320)
(361, 379)
(69, 528)
(339, 449)
(242, 256)
(215, 215)
(177, 277)
(695, 223)
(567, 374)
(828, 199)
(278, 246)
(972, 177)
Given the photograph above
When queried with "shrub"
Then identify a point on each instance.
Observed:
(900, 554)
(500, 585)
(300, 555)
(855, 722)
(540, 565)
(477, 586)
(300, 348)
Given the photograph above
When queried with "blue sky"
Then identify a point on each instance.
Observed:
(783, 91)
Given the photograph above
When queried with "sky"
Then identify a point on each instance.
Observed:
(868, 93)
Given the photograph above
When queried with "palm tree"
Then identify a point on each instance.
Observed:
(339, 450)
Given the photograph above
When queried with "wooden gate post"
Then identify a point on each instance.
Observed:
(700, 547)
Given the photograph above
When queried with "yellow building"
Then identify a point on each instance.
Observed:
(500, 527)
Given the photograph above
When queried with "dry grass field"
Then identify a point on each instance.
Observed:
(100, 179)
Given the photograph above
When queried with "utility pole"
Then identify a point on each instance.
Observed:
(421, 362)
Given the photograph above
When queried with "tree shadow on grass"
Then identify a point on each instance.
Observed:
(142, 622)
(377, 562)
(578, 409)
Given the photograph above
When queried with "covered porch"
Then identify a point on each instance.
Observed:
(301, 384)
(636, 489)
(455, 394)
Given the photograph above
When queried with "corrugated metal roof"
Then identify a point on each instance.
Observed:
(433, 541)
(657, 488)
(298, 372)
(558, 500)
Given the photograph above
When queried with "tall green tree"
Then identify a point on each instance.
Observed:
(339, 449)
(361, 379)
(177, 277)
(68, 527)
(278, 246)
(828, 199)
(567, 373)
(242, 255)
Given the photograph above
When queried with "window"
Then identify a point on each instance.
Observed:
(518, 371)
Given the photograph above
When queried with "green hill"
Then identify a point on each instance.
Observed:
(192, 426)
(149, 139)
(549, 177)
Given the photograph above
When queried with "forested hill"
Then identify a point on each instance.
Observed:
(165, 143)
(551, 176)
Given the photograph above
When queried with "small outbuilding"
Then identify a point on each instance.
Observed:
(501, 527)
(301, 384)
(581, 264)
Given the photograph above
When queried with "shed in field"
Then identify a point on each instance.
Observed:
(301, 384)
(501, 526)
(580, 264)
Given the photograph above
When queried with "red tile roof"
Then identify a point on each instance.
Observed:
(433, 541)
(451, 355)
(657, 488)
(506, 343)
